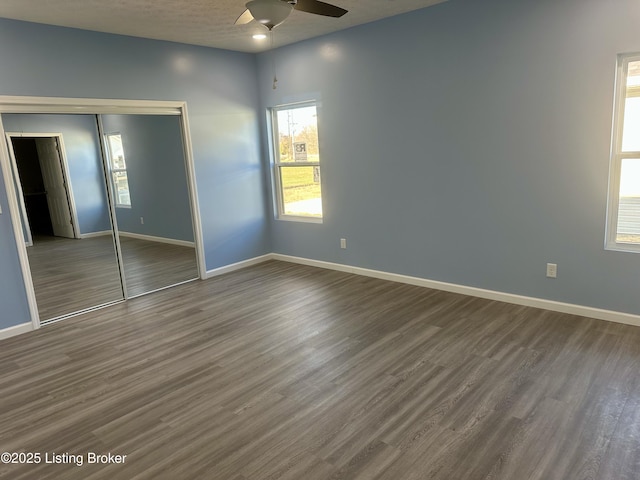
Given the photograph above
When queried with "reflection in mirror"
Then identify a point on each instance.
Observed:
(147, 169)
(62, 195)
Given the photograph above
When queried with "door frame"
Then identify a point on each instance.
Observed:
(65, 172)
(92, 106)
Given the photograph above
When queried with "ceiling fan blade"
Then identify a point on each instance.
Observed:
(319, 8)
(246, 17)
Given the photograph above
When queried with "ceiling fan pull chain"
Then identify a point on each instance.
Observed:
(273, 61)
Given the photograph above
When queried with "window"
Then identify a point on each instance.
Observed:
(118, 168)
(297, 162)
(623, 229)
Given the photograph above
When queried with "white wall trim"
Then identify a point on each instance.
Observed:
(239, 265)
(18, 234)
(93, 106)
(196, 216)
(16, 330)
(573, 309)
(581, 310)
(95, 234)
(151, 238)
(20, 194)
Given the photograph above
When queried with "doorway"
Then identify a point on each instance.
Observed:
(43, 186)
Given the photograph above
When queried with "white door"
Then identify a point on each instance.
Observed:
(54, 184)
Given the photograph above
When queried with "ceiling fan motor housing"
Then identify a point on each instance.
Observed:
(270, 13)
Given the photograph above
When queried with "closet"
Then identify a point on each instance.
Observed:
(105, 203)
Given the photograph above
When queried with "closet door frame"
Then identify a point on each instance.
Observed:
(90, 106)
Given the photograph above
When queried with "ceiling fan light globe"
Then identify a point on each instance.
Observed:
(269, 12)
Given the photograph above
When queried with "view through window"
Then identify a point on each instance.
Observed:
(625, 177)
(297, 161)
(118, 167)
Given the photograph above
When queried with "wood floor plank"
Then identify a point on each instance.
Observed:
(622, 457)
(282, 371)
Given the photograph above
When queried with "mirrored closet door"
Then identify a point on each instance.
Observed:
(105, 206)
(151, 197)
(59, 180)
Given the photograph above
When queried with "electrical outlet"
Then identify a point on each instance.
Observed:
(552, 270)
(343, 243)
(141, 220)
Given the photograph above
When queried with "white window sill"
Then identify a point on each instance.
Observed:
(623, 247)
(299, 218)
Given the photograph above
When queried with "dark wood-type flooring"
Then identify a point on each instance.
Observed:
(71, 275)
(149, 266)
(283, 371)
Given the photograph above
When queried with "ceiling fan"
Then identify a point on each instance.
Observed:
(272, 13)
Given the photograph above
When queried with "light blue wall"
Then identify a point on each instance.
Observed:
(220, 90)
(82, 147)
(156, 174)
(468, 143)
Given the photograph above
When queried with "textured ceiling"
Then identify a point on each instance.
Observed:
(198, 22)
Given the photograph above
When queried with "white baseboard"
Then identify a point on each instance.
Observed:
(573, 309)
(151, 238)
(95, 234)
(16, 330)
(581, 310)
(239, 265)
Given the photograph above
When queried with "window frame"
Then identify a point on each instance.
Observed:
(277, 165)
(617, 156)
(113, 171)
